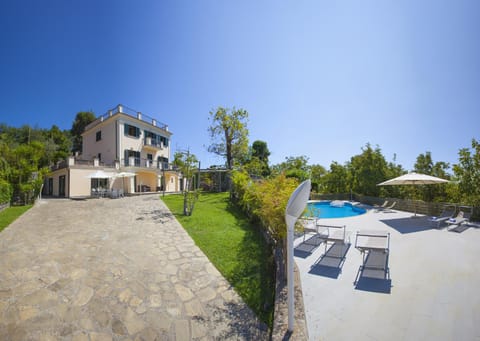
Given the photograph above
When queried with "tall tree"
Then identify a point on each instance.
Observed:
(367, 170)
(229, 134)
(316, 174)
(293, 167)
(257, 163)
(82, 119)
(260, 150)
(468, 173)
(187, 163)
(424, 164)
(393, 170)
(57, 145)
(337, 179)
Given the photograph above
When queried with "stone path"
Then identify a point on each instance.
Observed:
(107, 269)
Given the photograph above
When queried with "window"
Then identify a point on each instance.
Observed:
(135, 155)
(164, 140)
(150, 157)
(99, 183)
(99, 135)
(156, 140)
(162, 162)
(99, 156)
(130, 130)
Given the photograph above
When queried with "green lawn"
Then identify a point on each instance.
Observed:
(233, 245)
(8, 215)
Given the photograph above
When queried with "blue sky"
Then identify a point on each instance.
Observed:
(318, 78)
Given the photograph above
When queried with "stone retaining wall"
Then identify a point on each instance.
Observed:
(280, 315)
(4, 206)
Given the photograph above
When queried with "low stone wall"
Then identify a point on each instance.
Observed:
(408, 205)
(4, 206)
(280, 316)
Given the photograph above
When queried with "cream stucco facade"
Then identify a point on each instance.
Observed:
(131, 148)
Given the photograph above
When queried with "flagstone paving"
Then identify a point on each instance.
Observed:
(106, 269)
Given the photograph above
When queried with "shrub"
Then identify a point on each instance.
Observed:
(265, 200)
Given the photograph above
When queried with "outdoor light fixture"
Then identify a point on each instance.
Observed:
(295, 207)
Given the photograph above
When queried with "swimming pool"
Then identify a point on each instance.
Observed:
(333, 209)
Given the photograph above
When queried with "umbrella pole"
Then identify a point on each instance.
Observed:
(415, 210)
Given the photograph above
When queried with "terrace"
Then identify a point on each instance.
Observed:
(131, 162)
(429, 292)
(122, 109)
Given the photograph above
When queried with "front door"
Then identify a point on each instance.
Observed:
(50, 186)
(61, 186)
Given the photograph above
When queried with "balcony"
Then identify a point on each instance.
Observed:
(146, 163)
(73, 161)
(151, 144)
(122, 109)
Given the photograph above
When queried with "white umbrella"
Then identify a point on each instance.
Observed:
(413, 178)
(100, 174)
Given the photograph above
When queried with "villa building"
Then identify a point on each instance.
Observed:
(124, 152)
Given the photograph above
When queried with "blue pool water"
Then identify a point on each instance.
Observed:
(323, 209)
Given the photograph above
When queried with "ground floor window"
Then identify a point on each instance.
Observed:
(135, 154)
(61, 186)
(99, 183)
(50, 186)
(162, 162)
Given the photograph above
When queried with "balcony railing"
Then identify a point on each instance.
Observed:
(130, 162)
(130, 112)
(149, 142)
(146, 163)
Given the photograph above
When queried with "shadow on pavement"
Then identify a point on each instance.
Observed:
(380, 285)
(331, 262)
(306, 248)
(408, 225)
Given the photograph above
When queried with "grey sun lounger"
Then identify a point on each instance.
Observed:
(462, 217)
(381, 207)
(386, 208)
(375, 249)
(447, 213)
(334, 235)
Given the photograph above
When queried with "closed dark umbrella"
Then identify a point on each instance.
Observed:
(413, 178)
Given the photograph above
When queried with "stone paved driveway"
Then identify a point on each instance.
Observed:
(107, 269)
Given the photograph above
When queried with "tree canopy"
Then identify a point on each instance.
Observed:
(229, 134)
(82, 119)
(467, 171)
(187, 163)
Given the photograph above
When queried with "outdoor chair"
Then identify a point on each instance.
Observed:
(381, 206)
(114, 194)
(95, 193)
(447, 213)
(309, 226)
(375, 249)
(333, 234)
(387, 208)
(462, 217)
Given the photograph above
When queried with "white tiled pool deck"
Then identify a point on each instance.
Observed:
(433, 292)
